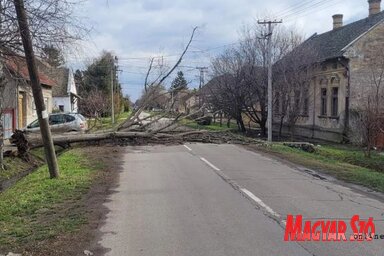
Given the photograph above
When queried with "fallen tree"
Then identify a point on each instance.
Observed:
(144, 138)
(143, 128)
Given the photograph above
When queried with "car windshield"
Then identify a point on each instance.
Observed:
(81, 117)
(34, 124)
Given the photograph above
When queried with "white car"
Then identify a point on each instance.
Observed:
(61, 122)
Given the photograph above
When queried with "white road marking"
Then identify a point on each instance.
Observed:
(187, 147)
(208, 163)
(260, 202)
(248, 193)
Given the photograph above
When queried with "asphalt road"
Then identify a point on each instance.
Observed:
(201, 199)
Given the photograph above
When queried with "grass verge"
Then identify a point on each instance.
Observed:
(38, 208)
(344, 164)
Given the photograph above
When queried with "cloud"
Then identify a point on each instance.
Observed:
(142, 28)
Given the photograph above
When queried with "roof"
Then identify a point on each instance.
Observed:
(330, 45)
(18, 65)
(61, 77)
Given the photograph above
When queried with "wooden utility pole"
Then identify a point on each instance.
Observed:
(268, 36)
(42, 113)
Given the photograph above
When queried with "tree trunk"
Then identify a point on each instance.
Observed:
(1, 142)
(263, 127)
(281, 127)
(291, 131)
(240, 124)
(221, 119)
(228, 122)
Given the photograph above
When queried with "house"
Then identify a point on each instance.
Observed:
(17, 99)
(65, 98)
(179, 100)
(192, 102)
(346, 59)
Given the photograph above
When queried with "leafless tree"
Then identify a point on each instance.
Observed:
(2, 87)
(294, 73)
(95, 105)
(245, 66)
(155, 81)
(52, 22)
(226, 91)
(370, 113)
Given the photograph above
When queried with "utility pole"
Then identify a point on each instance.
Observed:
(1, 97)
(112, 95)
(42, 113)
(268, 36)
(202, 71)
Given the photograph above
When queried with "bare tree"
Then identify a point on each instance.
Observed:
(157, 81)
(226, 90)
(2, 89)
(370, 113)
(245, 67)
(294, 73)
(51, 22)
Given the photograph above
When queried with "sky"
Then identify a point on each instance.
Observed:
(136, 30)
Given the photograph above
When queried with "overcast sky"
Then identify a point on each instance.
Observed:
(135, 30)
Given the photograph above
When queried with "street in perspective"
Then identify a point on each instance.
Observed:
(187, 128)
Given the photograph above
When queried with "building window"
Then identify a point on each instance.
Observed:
(323, 66)
(305, 103)
(305, 106)
(323, 101)
(61, 108)
(335, 101)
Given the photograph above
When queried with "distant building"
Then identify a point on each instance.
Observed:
(65, 98)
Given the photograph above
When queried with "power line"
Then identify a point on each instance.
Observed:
(314, 6)
(306, 14)
(293, 7)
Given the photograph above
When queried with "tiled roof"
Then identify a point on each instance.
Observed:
(18, 65)
(330, 44)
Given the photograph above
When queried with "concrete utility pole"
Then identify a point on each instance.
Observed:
(268, 36)
(202, 71)
(112, 95)
(42, 113)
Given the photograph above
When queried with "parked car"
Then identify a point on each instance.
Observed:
(61, 122)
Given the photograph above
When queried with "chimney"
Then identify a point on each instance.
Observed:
(337, 21)
(374, 7)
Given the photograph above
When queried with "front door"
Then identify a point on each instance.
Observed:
(21, 111)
